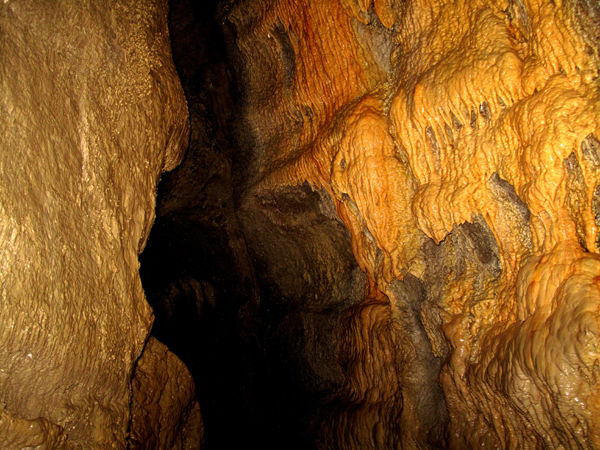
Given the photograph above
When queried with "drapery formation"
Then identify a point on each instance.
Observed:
(458, 141)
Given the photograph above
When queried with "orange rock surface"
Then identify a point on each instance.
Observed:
(420, 116)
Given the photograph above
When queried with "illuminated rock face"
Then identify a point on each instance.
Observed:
(91, 112)
(458, 142)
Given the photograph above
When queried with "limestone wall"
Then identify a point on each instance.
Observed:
(91, 112)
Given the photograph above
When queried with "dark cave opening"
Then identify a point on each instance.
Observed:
(195, 281)
(217, 302)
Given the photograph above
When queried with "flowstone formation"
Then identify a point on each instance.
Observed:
(458, 143)
(91, 112)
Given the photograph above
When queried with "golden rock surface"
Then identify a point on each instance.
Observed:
(91, 112)
(164, 412)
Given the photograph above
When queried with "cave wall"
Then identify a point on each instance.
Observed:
(235, 285)
(385, 234)
(456, 141)
(91, 113)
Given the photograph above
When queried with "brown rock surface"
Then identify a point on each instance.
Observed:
(91, 112)
(164, 412)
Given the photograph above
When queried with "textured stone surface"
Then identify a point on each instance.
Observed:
(458, 141)
(164, 414)
(91, 112)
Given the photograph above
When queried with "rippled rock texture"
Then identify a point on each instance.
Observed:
(91, 112)
(457, 141)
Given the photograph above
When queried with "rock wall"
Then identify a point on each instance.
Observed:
(91, 112)
(457, 142)
(394, 245)
(165, 414)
